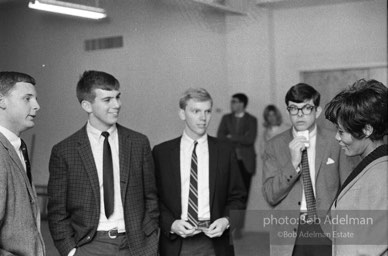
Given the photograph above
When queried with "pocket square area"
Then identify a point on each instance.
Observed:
(330, 161)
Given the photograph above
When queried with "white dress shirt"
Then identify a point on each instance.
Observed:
(202, 150)
(311, 150)
(15, 142)
(116, 220)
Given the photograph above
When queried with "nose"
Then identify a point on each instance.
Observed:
(337, 137)
(300, 113)
(36, 105)
(116, 103)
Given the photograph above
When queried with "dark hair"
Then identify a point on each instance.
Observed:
(274, 109)
(91, 80)
(242, 98)
(197, 94)
(363, 103)
(302, 92)
(8, 79)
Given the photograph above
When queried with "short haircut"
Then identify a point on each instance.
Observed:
(302, 92)
(196, 94)
(8, 79)
(242, 98)
(363, 103)
(92, 80)
(278, 115)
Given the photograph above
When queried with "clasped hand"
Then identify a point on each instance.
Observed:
(184, 229)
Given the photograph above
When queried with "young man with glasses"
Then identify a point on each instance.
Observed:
(303, 170)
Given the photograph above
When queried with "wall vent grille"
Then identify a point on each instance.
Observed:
(104, 43)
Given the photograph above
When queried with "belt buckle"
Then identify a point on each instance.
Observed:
(113, 233)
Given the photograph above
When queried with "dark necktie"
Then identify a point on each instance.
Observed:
(192, 210)
(108, 177)
(308, 186)
(23, 148)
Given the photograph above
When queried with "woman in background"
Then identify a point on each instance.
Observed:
(273, 125)
(360, 114)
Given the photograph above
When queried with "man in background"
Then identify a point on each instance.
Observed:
(199, 185)
(240, 128)
(102, 192)
(19, 209)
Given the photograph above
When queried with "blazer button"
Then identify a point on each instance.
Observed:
(88, 238)
(288, 180)
(295, 229)
(290, 176)
(298, 203)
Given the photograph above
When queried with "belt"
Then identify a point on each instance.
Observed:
(203, 224)
(113, 233)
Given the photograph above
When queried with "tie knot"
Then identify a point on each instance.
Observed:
(105, 134)
(23, 145)
(195, 144)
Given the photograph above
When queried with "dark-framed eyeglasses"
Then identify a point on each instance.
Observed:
(306, 109)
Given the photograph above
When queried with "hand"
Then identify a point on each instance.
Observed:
(296, 146)
(217, 228)
(183, 229)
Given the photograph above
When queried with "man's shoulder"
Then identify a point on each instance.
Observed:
(73, 139)
(167, 144)
(125, 131)
(250, 116)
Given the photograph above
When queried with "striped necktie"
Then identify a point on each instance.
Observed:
(192, 210)
(308, 186)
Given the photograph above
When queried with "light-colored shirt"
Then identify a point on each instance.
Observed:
(116, 220)
(15, 142)
(311, 150)
(202, 150)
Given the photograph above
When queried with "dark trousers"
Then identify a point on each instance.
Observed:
(246, 176)
(198, 245)
(311, 241)
(103, 245)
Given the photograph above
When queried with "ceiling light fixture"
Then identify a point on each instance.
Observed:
(67, 8)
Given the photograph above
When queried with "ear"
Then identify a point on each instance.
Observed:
(182, 115)
(87, 106)
(318, 112)
(3, 104)
(367, 130)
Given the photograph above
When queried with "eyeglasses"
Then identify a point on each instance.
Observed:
(306, 110)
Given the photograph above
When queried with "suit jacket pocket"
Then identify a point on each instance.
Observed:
(149, 226)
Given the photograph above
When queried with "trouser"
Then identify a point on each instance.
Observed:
(105, 245)
(198, 245)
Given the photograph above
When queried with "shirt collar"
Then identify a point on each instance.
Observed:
(312, 134)
(240, 115)
(189, 140)
(96, 133)
(12, 137)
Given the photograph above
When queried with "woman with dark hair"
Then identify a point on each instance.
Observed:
(360, 114)
(273, 125)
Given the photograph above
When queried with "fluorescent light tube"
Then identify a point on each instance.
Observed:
(78, 10)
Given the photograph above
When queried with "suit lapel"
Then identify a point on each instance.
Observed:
(176, 171)
(85, 152)
(15, 158)
(125, 145)
(213, 160)
(320, 150)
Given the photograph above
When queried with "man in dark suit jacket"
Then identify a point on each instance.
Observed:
(218, 187)
(240, 128)
(102, 191)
